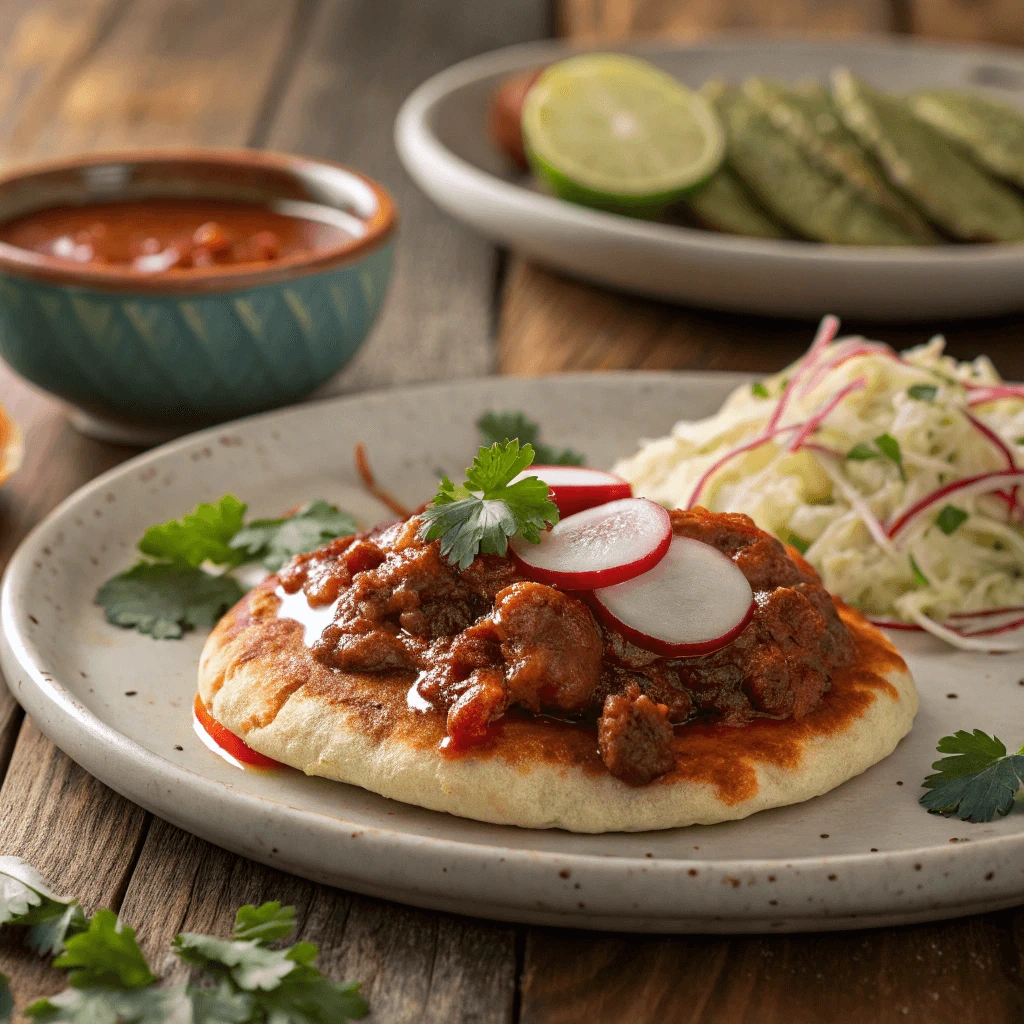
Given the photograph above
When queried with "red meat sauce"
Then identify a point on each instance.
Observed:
(480, 642)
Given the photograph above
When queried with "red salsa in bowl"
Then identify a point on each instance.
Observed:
(161, 235)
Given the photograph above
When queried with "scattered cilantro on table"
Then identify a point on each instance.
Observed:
(487, 509)
(977, 783)
(176, 593)
(274, 541)
(243, 979)
(501, 427)
(26, 900)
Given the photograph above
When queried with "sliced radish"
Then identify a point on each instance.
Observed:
(598, 547)
(574, 488)
(694, 601)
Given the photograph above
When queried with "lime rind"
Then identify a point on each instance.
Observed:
(614, 132)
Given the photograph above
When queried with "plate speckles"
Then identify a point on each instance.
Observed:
(659, 882)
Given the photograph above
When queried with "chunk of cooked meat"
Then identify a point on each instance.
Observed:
(551, 647)
(634, 737)
(484, 638)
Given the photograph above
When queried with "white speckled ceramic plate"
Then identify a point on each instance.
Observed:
(120, 703)
(442, 140)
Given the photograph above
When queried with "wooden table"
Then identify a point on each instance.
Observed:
(325, 77)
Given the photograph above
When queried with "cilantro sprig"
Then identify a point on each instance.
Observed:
(886, 447)
(488, 508)
(244, 979)
(501, 427)
(978, 782)
(274, 541)
(189, 585)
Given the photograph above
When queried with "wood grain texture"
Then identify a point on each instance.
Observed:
(990, 21)
(363, 59)
(550, 323)
(594, 20)
(962, 971)
(164, 72)
(415, 967)
(951, 973)
(82, 836)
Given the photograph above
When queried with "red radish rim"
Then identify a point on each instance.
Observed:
(594, 578)
(590, 579)
(664, 647)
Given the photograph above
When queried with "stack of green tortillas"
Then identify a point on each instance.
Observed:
(851, 165)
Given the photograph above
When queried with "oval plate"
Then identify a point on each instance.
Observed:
(120, 703)
(442, 140)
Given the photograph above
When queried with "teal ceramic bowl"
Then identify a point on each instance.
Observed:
(143, 356)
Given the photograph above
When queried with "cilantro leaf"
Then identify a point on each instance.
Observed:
(923, 392)
(758, 390)
(123, 1006)
(950, 519)
(25, 899)
(274, 541)
(200, 536)
(265, 923)
(221, 1005)
(501, 427)
(488, 509)
(21, 889)
(861, 452)
(164, 600)
(106, 955)
(307, 997)
(799, 543)
(54, 925)
(6, 1000)
(979, 782)
(249, 964)
(890, 448)
(919, 577)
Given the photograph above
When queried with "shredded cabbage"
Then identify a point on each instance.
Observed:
(866, 460)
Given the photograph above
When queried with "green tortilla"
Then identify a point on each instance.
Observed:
(931, 171)
(990, 131)
(807, 113)
(814, 203)
(724, 203)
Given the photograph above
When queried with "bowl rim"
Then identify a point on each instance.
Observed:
(25, 263)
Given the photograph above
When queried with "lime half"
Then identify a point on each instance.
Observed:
(614, 132)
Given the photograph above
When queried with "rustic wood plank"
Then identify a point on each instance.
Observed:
(167, 72)
(414, 966)
(82, 836)
(134, 71)
(363, 59)
(951, 973)
(961, 971)
(551, 323)
(592, 20)
(991, 21)
(41, 45)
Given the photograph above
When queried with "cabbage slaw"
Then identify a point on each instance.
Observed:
(900, 476)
